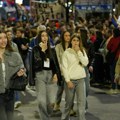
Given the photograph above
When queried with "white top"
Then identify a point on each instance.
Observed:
(3, 68)
(73, 64)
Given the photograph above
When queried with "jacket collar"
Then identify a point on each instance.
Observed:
(8, 53)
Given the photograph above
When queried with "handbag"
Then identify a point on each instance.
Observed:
(18, 83)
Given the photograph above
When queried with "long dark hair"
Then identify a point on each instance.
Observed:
(48, 51)
(84, 37)
(63, 40)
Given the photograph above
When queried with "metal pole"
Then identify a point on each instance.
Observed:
(67, 12)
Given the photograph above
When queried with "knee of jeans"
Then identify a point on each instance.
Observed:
(41, 102)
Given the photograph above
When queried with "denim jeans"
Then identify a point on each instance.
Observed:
(17, 96)
(60, 92)
(79, 89)
(45, 93)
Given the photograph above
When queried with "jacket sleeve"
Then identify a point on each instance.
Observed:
(37, 59)
(35, 64)
(83, 58)
(20, 60)
(65, 67)
(31, 74)
(56, 66)
(91, 55)
(57, 52)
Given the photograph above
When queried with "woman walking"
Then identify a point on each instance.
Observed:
(44, 74)
(10, 63)
(73, 62)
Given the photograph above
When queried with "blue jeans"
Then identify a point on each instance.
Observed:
(45, 93)
(17, 96)
(79, 89)
(60, 93)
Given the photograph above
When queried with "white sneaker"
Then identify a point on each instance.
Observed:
(17, 104)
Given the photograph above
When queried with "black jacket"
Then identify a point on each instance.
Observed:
(90, 53)
(37, 61)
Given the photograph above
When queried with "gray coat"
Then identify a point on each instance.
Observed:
(13, 62)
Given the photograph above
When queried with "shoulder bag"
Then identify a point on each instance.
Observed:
(18, 83)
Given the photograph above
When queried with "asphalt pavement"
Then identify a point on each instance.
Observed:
(101, 106)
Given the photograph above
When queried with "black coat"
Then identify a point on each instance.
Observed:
(36, 64)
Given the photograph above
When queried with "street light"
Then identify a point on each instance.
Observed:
(1, 3)
(67, 5)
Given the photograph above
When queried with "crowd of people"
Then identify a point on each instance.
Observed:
(72, 56)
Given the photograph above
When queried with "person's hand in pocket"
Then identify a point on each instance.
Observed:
(55, 79)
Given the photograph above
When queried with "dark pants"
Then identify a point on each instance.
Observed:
(60, 92)
(98, 73)
(107, 72)
(87, 85)
(112, 74)
(6, 105)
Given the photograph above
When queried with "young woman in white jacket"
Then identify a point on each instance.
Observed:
(74, 60)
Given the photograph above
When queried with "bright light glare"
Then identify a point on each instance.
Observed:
(19, 1)
(70, 10)
(114, 9)
(69, 3)
(65, 4)
(1, 3)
